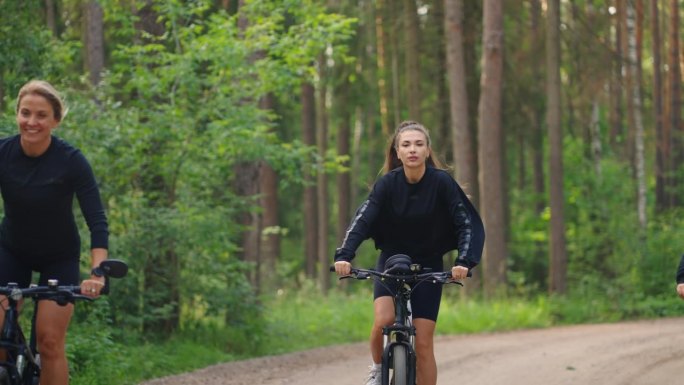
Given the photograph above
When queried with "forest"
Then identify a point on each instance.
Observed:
(233, 140)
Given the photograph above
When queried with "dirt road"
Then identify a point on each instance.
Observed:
(635, 353)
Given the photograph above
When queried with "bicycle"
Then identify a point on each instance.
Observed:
(22, 361)
(399, 354)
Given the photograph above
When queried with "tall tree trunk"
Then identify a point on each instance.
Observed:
(616, 129)
(322, 180)
(412, 54)
(628, 35)
(490, 149)
(50, 17)
(343, 178)
(397, 107)
(440, 124)
(634, 54)
(93, 40)
(463, 143)
(247, 184)
(357, 135)
(381, 42)
(661, 142)
(162, 266)
(268, 189)
(537, 117)
(595, 135)
(675, 118)
(310, 203)
(462, 140)
(558, 263)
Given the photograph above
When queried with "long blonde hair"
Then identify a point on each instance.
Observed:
(392, 160)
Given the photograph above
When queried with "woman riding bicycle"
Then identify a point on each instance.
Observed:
(39, 176)
(416, 208)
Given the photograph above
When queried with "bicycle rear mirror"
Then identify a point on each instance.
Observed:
(114, 268)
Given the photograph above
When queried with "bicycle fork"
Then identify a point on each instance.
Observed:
(399, 355)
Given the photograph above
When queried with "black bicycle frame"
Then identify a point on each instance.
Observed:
(20, 360)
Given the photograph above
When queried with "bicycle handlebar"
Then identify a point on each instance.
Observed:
(60, 294)
(110, 268)
(443, 277)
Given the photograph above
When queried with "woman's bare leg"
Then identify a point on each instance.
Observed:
(52, 323)
(425, 352)
(384, 315)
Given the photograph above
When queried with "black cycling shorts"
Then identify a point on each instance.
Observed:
(14, 269)
(425, 298)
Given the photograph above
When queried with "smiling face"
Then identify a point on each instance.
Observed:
(36, 120)
(412, 148)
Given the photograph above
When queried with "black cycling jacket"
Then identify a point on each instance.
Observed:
(680, 271)
(424, 220)
(38, 194)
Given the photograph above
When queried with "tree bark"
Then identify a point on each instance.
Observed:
(50, 17)
(675, 118)
(463, 143)
(537, 117)
(310, 203)
(634, 46)
(490, 150)
(93, 40)
(343, 144)
(322, 181)
(661, 142)
(381, 41)
(397, 107)
(412, 54)
(268, 188)
(595, 134)
(616, 129)
(558, 263)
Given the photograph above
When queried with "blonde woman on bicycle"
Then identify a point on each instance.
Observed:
(39, 176)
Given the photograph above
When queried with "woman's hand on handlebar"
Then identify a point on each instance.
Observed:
(343, 268)
(92, 286)
(459, 272)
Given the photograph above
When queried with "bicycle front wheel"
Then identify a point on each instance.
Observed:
(399, 368)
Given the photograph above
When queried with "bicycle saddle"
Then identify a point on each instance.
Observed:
(398, 264)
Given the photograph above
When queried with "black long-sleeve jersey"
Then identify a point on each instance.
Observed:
(38, 194)
(423, 220)
(680, 271)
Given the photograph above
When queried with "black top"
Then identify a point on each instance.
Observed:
(680, 271)
(38, 194)
(424, 220)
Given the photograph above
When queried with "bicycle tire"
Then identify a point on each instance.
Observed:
(399, 375)
(31, 375)
(4, 377)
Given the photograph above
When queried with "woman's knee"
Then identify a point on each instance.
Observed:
(383, 312)
(51, 345)
(424, 345)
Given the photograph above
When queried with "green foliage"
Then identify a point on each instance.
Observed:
(25, 46)
(166, 130)
(293, 323)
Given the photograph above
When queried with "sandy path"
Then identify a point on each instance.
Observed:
(635, 353)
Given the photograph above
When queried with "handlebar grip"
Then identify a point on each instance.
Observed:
(332, 269)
